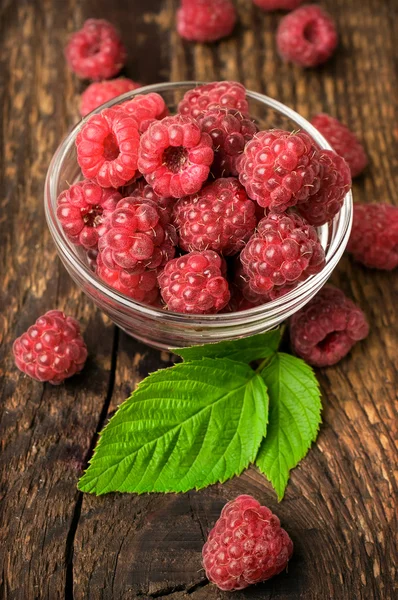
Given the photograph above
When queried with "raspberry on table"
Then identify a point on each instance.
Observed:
(82, 210)
(100, 92)
(335, 183)
(284, 250)
(137, 234)
(140, 283)
(247, 545)
(307, 36)
(95, 51)
(195, 283)
(230, 131)
(224, 94)
(52, 349)
(205, 20)
(175, 156)
(374, 236)
(107, 147)
(219, 217)
(269, 5)
(326, 329)
(146, 108)
(344, 142)
(279, 169)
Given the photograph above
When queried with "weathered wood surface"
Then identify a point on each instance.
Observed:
(339, 507)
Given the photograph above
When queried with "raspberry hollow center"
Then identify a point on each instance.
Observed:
(175, 158)
(111, 147)
(311, 32)
(93, 217)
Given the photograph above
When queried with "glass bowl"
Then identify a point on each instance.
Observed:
(164, 329)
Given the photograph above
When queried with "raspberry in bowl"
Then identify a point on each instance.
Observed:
(139, 240)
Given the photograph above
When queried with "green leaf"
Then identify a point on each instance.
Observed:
(245, 350)
(294, 418)
(184, 427)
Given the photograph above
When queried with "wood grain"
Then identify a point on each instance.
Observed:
(340, 504)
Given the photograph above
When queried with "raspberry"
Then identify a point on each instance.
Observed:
(175, 156)
(107, 148)
(205, 20)
(145, 108)
(98, 93)
(374, 236)
(52, 349)
(247, 545)
(283, 251)
(82, 210)
(326, 329)
(269, 5)
(137, 235)
(220, 217)
(326, 202)
(230, 132)
(194, 283)
(146, 191)
(307, 36)
(279, 169)
(139, 283)
(344, 142)
(95, 51)
(224, 94)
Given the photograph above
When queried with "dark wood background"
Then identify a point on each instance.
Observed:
(339, 507)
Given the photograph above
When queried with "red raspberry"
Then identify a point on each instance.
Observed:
(374, 236)
(224, 94)
(143, 190)
(326, 329)
(95, 51)
(279, 168)
(82, 210)
(283, 250)
(269, 5)
(194, 283)
(205, 20)
(327, 201)
(247, 545)
(98, 93)
(230, 132)
(52, 349)
(107, 148)
(136, 235)
(344, 142)
(146, 108)
(140, 284)
(220, 217)
(307, 36)
(252, 298)
(175, 156)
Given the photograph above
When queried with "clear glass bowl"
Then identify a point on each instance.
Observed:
(164, 329)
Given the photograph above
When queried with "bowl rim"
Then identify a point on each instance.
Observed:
(270, 309)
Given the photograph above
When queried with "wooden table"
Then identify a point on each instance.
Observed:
(339, 507)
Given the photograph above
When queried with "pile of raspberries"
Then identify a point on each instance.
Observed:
(200, 212)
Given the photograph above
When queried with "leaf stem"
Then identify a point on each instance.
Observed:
(264, 363)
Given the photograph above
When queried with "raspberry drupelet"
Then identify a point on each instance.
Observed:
(107, 148)
(82, 210)
(326, 329)
(146, 108)
(224, 94)
(270, 5)
(219, 217)
(52, 349)
(247, 545)
(284, 250)
(195, 283)
(139, 284)
(344, 142)
(100, 92)
(175, 156)
(95, 51)
(205, 20)
(307, 36)
(280, 169)
(374, 236)
(230, 132)
(335, 182)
